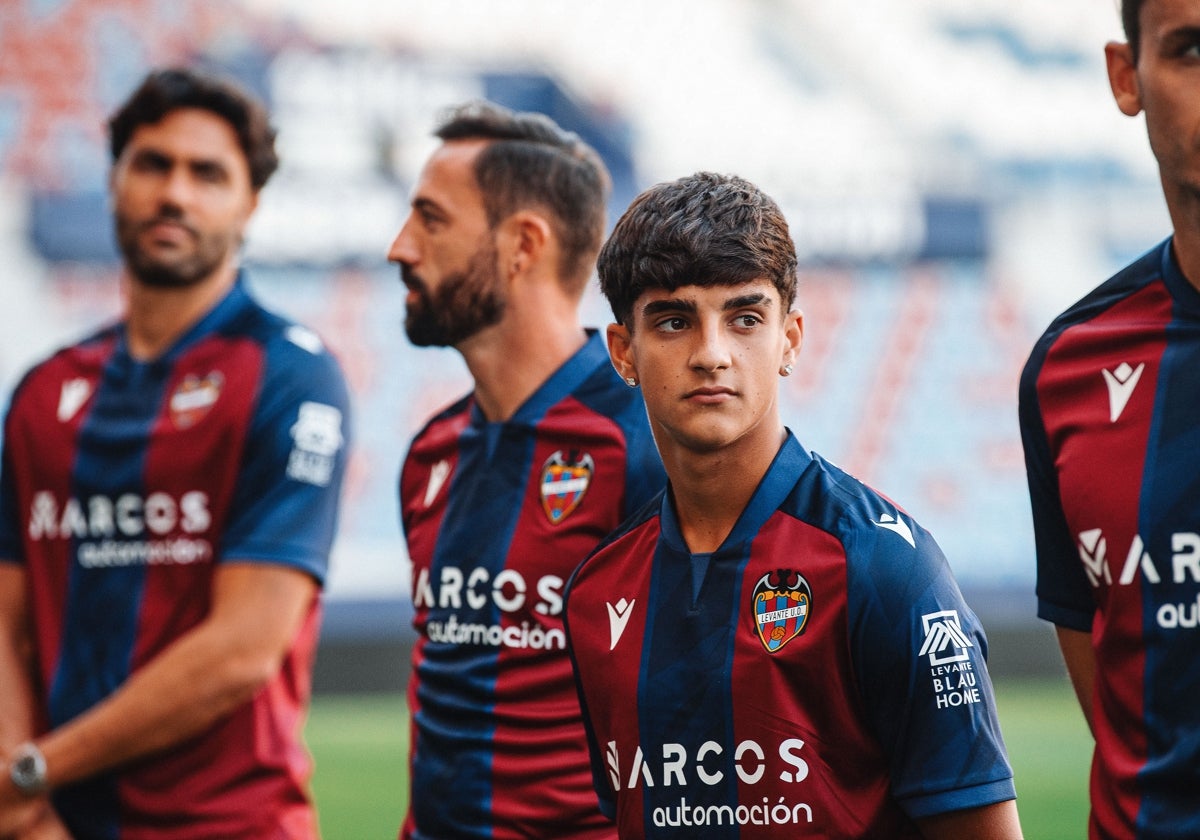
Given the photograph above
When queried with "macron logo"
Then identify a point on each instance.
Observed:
(74, 394)
(897, 526)
(437, 477)
(1121, 381)
(618, 617)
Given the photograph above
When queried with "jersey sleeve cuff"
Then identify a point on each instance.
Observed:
(944, 802)
(1072, 619)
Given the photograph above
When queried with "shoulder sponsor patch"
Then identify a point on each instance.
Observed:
(782, 602)
(316, 439)
(565, 479)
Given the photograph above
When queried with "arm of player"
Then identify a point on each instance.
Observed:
(257, 609)
(16, 705)
(989, 822)
(1080, 658)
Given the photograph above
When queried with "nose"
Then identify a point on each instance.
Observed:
(177, 187)
(711, 352)
(404, 246)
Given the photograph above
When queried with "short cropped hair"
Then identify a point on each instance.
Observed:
(172, 89)
(1131, 22)
(533, 163)
(704, 230)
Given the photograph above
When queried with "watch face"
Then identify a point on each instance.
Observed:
(28, 773)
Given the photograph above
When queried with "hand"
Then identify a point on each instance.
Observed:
(17, 816)
(47, 827)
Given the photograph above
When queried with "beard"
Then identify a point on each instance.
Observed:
(175, 270)
(464, 303)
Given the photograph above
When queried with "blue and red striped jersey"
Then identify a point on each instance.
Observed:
(819, 674)
(497, 516)
(1108, 409)
(124, 484)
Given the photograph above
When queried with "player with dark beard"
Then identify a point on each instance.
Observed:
(503, 493)
(168, 499)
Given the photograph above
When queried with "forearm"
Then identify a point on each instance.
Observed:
(182, 692)
(1080, 659)
(17, 717)
(206, 674)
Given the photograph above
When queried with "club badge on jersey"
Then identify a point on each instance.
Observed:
(194, 397)
(782, 605)
(565, 480)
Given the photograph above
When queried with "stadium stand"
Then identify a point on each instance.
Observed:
(953, 173)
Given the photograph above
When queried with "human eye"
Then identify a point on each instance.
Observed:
(148, 161)
(210, 173)
(671, 324)
(747, 320)
(429, 216)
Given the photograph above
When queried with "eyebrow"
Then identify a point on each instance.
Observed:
(658, 307)
(427, 205)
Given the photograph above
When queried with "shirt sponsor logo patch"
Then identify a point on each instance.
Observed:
(193, 398)
(951, 670)
(565, 480)
(317, 437)
(782, 604)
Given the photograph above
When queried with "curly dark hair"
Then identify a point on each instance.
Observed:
(167, 90)
(533, 163)
(705, 230)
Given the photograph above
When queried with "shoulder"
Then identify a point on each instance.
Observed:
(627, 541)
(445, 425)
(1116, 290)
(880, 539)
(296, 358)
(606, 394)
(84, 358)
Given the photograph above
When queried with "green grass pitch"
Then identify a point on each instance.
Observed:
(359, 746)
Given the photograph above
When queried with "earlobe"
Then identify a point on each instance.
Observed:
(620, 352)
(528, 233)
(1122, 78)
(793, 336)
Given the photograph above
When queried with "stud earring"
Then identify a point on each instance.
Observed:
(631, 381)
(786, 370)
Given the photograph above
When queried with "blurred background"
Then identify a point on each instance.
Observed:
(954, 174)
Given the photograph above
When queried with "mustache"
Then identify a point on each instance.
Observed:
(409, 278)
(169, 213)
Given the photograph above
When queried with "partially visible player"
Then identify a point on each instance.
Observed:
(506, 491)
(1109, 418)
(168, 499)
(771, 649)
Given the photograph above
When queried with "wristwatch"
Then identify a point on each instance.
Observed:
(28, 769)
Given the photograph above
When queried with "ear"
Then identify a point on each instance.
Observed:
(620, 350)
(522, 241)
(1122, 78)
(793, 336)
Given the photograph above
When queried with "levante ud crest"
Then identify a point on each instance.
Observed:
(782, 605)
(193, 398)
(565, 478)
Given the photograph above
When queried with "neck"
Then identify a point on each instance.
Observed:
(158, 316)
(511, 360)
(711, 489)
(1183, 206)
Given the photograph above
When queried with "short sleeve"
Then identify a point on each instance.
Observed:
(920, 656)
(286, 502)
